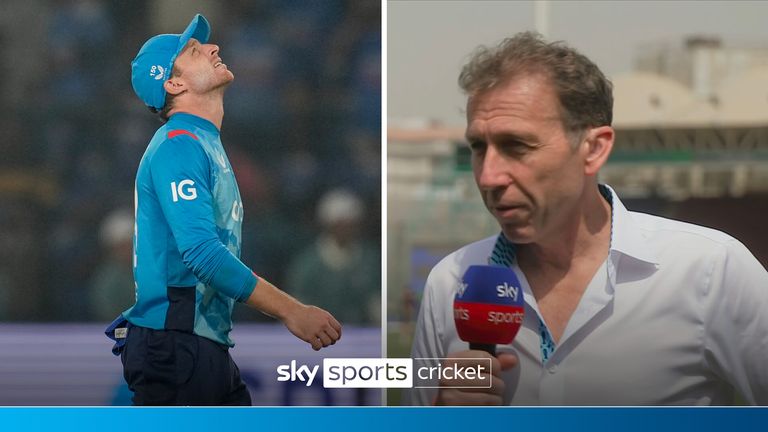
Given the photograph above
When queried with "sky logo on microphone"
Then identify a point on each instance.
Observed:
(462, 288)
(489, 309)
(507, 290)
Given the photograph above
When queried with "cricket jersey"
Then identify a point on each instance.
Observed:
(189, 216)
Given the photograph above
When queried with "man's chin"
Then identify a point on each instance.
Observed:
(225, 83)
(518, 234)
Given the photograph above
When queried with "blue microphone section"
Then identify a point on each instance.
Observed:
(492, 285)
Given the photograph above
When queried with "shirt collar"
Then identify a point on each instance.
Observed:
(626, 237)
(195, 121)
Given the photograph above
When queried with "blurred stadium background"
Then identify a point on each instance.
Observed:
(302, 130)
(691, 114)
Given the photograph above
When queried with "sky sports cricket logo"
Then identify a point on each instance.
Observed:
(391, 373)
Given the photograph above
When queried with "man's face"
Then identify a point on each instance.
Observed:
(201, 67)
(528, 174)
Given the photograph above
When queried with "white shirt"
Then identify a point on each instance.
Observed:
(677, 314)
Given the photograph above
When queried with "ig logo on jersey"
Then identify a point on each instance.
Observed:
(183, 190)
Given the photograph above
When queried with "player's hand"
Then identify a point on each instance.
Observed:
(308, 323)
(481, 395)
(313, 325)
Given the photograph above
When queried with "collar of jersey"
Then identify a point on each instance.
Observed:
(195, 121)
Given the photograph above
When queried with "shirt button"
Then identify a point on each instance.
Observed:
(552, 369)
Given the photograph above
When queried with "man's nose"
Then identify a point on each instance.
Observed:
(213, 49)
(492, 170)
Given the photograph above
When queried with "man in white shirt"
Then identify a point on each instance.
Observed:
(622, 308)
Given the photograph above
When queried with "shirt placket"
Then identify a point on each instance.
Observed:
(552, 378)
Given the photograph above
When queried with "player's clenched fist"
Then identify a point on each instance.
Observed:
(313, 325)
(308, 323)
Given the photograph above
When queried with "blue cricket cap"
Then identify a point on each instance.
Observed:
(154, 62)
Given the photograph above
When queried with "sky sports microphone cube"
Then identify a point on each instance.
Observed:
(488, 309)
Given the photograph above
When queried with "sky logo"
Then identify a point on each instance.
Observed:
(391, 372)
(507, 290)
(293, 372)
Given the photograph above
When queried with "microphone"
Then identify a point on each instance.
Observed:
(488, 307)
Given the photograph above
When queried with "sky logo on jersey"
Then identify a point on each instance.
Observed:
(184, 190)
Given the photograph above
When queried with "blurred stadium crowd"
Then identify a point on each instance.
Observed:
(301, 128)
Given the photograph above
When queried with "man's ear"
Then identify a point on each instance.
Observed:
(174, 85)
(596, 148)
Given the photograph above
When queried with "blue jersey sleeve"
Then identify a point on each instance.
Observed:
(181, 177)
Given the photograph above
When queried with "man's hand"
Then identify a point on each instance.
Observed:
(476, 396)
(313, 325)
(308, 323)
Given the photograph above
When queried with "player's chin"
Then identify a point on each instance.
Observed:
(224, 75)
(224, 83)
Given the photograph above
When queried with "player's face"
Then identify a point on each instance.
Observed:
(528, 174)
(202, 68)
